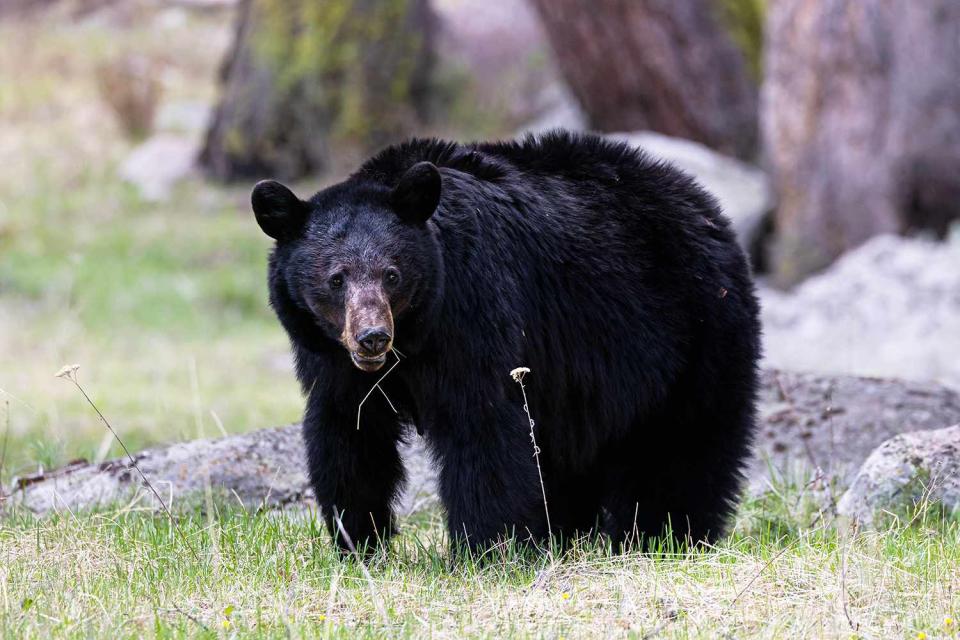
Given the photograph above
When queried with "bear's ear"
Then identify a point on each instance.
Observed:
(279, 212)
(417, 195)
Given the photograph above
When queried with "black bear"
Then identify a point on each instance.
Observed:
(437, 268)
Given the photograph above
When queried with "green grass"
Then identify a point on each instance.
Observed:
(164, 305)
(125, 573)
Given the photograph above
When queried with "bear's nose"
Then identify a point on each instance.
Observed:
(373, 341)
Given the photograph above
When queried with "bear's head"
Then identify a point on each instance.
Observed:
(352, 262)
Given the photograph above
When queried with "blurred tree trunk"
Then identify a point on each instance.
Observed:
(861, 123)
(662, 65)
(20, 8)
(304, 77)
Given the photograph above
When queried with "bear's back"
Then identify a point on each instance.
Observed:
(557, 152)
(585, 166)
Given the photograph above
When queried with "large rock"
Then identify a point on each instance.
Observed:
(159, 163)
(829, 422)
(834, 422)
(744, 191)
(904, 472)
(261, 469)
(890, 308)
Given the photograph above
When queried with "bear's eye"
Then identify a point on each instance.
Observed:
(336, 281)
(391, 276)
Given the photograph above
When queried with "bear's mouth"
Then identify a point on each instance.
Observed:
(368, 363)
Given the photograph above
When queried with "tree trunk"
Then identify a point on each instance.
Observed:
(305, 77)
(655, 64)
(861, 123)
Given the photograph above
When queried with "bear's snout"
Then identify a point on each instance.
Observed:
(374, 341)
(368, 330)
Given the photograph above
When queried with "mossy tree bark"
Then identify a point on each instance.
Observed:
(662, 65)
(861, 123)
(304, 78)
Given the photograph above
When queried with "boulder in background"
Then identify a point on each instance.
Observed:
(159, 163)
(889, 308)
(904, 472)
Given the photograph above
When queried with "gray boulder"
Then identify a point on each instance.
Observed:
(159, 163)
(832, 423)
(906, 471)
(259, 468)
(889, 308)
(191, 117)
(263, 469)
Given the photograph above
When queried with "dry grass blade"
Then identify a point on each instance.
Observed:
(854, 626)
(387, 398)
(3, 451)
(376, 385)
(191, 618)
(9, 395)
(332, 599)
(518, 374)
(363, 567)
(757, 575)
(69, 372)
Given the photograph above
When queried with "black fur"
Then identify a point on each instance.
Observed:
(613, 277)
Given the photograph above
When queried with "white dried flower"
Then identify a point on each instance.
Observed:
(67, 371)
(518, 373)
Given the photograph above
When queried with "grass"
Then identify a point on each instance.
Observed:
(123, 572)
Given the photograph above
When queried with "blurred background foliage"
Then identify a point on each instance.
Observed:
(744, 20)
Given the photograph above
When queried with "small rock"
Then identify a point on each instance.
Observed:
(743, 190)
(155, 166)
(905, 471)
(183, 116)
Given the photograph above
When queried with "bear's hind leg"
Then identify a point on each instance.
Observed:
(574, 503)
(654, 487)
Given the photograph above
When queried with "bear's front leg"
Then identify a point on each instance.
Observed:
(355, 474)
(488, 481)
